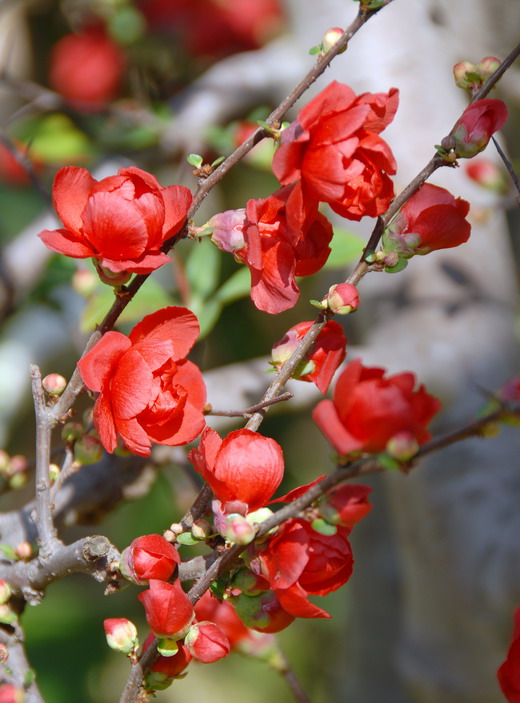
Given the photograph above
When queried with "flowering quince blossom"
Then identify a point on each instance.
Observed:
(346, 505)
(509, 673)
(431, 219)
(243, 470)
(299, 561)
(368, 409)
(278, 238)
(149, 557)
(475, 127)
(148, 391)
(121, 634)
(165, 669)
(121, 221)
(324, 357)
(334, 151)
(168, 609)
(206, 642)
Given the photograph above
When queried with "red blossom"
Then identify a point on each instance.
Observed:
(245, 467)
(509, 673)
(165, 669)
(324, 357)
(262, 612)
(150, 557)
(368, 409)
(278, 238)
(476, 126)
(223, 615)
(346, 505)
(432, 219)
(148, 391)
(206, 642)
(168, 609)
(334, 149)
(121, 634)
(298, 561)
(121, 221)
(86, 69)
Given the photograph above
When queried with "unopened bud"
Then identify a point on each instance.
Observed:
(9, 693)
(238, 530)
(24, 551)
(402, 446)
(121, 635)
(488, 66)
(488, 175)
(206, 642)
(201, 529)
(4, 653)
(7, 615)
(463, 73)
(112, 278)
(249, 583)
(330, 38)
(169, 536)
(5, 592)
(54, 384)
(18, 464)
(88, 450)
(176, 528)
(54, 472)
(342, 298)
(72, 431)
(5, 460)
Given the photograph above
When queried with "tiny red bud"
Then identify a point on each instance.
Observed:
(488, 175)
(24, 551)
(460, 71)
(488, 66)
(330, 38)
(121, 635)
(5, 592)
(206, 642)
(18, 464)
(84, 282)
(342, 298)
(54, 384)
(238, 530)
(9, 693)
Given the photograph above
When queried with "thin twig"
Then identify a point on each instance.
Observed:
(252, 409)
(509, 166)
(44, 523)
(283, 667)
(497, 75)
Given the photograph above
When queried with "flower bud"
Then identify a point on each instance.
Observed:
(24, 551)
(54, 384)
(121, 635)
(88, 450)
(72, 431)
(331, 37)
(9, 693)
(4, 653)
(238, 530)
(488, 175)
(206, 642)
(488, 66)
(342, 298)
(54, 472)
(5, 461)
(474, 129)
(168, 609)
(402, 446)
(263, 612)
(165, 669)
(5, 592)
(149, 557)
(346, 505)
(249, 583)
(7, 615)
(460, 74)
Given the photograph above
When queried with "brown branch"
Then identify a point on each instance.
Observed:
(44, 522)
(252, 409)
(495, 77)
(283, 667)
(509, 166)
(13, 639)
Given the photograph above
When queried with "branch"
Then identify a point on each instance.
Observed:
(252, 409)
(13, 638)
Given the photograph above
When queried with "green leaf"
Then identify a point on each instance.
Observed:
(203, 268)
(346, 247)
(186, 539)
(323, 527)
(401, 264)
(315, 49)
(388, 462)
(151, 297)
(194, 160)
(237, 286)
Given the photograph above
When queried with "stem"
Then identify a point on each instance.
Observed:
(495, 77)
(508, 165)
(44, 523)
(285, 670)
(252, 409)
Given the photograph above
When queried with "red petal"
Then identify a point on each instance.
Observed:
(273, 288)
(174, 323)
(67, 243)
(297, 492)
(143, 264)
(295, 601)
(177, 201)
(326, 417)
(154, 352)
(98, 363)
(134, 436)
(131, 386)
(104, 423)
(70, 192)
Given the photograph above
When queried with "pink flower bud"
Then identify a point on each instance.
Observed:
(342, 298)
(149, 557)
(488, 66)
(24, 551)
(206, 642)
(474, 129)
(460, 71)
(228, 230)
(331, 37)
(488, 175)
(238, 530)
(346, 505)
(54, 384)
(5, 592)
(84, 282)
(121, 635)
(168, 609)
(9, 693)
(402, 446)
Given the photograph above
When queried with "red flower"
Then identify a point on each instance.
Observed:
(150, 557)
(432, 219)
(278, 238)
(334, 149)
(324, 357)
(369, 409)
(476, 126)
(262, 612)
(299, 561)
(206, 642)
(86, 69)
(487, 174)
(244, 467)
(121, 221)
(121, 634)
(223, 615)
(168, 609)
(509, 672)
(165, 669)
(148, 391)
(346, 505)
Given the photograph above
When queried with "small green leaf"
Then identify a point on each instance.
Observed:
(315, 49)
(186, 539)
(195, 160)
(346, 247)
(324, 527)
(203, 268)
(217, 161)
(388, 462)
(401, 264)
(8, 552)
(237, 286)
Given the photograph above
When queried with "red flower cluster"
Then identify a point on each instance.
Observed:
(86, 69)
(244, 470)
(121, 222)
(335, 153)
(431, 219)
(368, 410)
(509, 673)
(148, 391)
(324, 357)
(476, 126)
(149, 557)
(278, 238)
